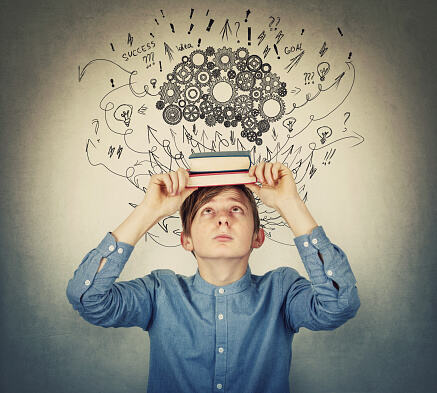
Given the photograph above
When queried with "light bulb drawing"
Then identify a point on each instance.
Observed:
(323, 69)
(324, 133)
(123, 113)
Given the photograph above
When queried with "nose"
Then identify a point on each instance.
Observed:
(222, 219)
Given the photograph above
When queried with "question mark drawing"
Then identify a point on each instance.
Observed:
(277, 23)
(347, 114)
(153, 82)
(236, 33)
(271, 23)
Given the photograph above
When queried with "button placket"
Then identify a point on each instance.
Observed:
(221, 339)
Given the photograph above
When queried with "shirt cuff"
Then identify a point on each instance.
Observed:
(86, 275)
(312, 243)
(119, 251)
(335, 265)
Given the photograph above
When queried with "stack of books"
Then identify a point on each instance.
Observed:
(219, 168)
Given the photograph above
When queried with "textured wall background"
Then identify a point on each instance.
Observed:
(377, 201)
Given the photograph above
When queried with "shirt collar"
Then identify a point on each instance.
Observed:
(209, 289)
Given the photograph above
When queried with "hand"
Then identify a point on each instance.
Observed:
(166, 192)
(278, 186)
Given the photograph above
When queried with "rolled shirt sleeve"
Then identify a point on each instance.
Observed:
(101, 301)
(317, 304)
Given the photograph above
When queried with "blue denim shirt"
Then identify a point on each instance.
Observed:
(205, 338)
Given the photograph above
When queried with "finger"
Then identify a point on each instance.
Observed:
(175, 182)
(181, 180)
(186, 178)
(167, 182)
(260, 171)
(252, 170)
(277, 168)
(268, 173)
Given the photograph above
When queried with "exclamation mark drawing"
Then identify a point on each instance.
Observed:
(211, 21)
(249, 36)
(276, 50)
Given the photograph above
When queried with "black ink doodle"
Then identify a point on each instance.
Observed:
(224, 86)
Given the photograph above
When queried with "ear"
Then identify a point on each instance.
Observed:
(258, 239)
(186, 242)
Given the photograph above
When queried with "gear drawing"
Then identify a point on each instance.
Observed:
(280, 110)
(241, 53)
(270, 83)
(210, 120)
(198, 58)
(222, 91)
(172, 114)
(223, 86)
(254, 63)
(191, 113)
(192, 93)
(169, 92)
(224, 58)
(183, 73)
(245, 80)
(243, 104)
(203, 77)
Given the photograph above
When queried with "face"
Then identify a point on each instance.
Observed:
(227, 213)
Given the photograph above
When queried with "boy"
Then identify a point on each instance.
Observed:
(223, 329)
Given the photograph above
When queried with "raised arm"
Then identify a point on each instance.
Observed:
(330, 298)
(92, 291)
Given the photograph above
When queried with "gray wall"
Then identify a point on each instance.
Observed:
(375, 200)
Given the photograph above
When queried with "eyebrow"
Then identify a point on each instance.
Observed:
(232, 199)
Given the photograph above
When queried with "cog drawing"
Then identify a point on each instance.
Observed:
(172, 114)
(223, 86)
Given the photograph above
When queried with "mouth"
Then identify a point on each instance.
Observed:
(223, 238)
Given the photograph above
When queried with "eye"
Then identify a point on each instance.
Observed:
(208, 208)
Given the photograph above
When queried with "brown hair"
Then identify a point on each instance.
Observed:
(203, 195)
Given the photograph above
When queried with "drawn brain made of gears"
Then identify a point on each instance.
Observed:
(224, 87)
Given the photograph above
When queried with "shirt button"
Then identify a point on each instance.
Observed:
(120, 251)
(221, 290)
(305, 244)
(87, 282)
(329, 272)
(314, 241)
(111, 248)
(219, 386)
(221, 350)
(220, 316)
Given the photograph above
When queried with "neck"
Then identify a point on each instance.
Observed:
(221, 274)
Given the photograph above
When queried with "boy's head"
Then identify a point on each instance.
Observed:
(210, 211)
